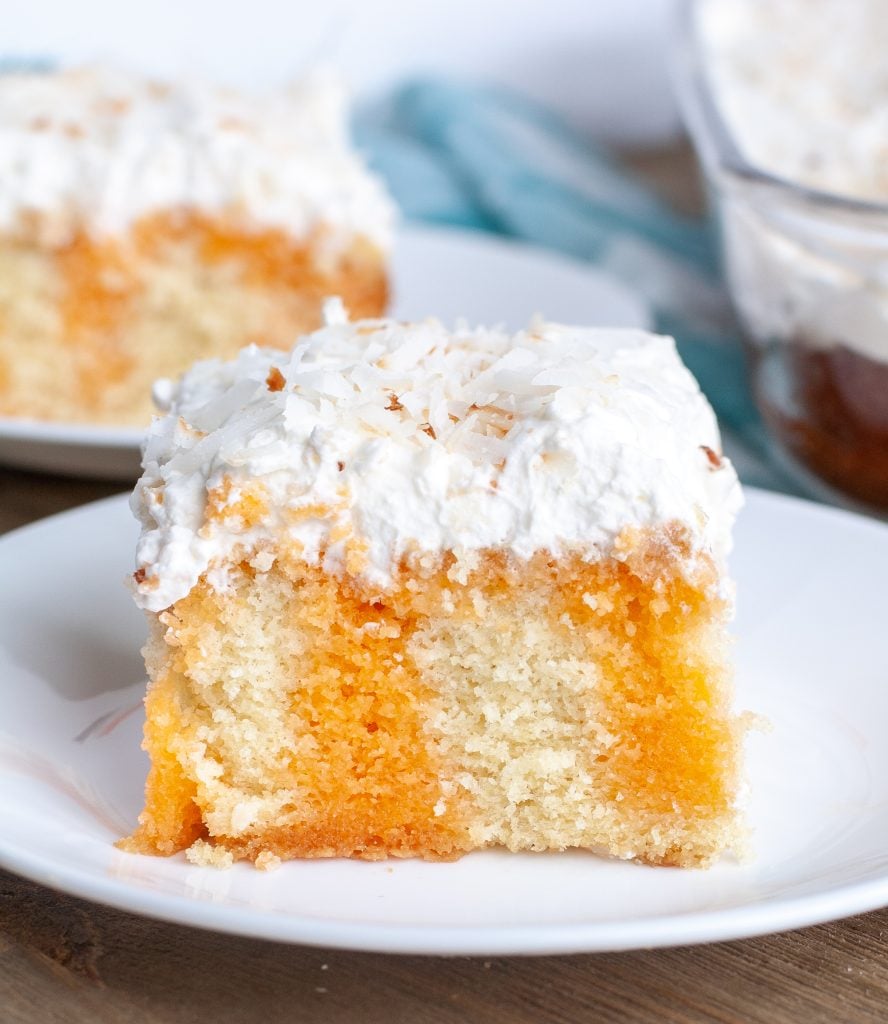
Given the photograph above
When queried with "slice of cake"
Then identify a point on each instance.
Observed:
(415, 592)
(144, 225)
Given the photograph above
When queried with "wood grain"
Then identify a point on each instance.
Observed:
(65, 960)
(25, 497)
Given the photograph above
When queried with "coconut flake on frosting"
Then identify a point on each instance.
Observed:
(97, 148)
(416, 439)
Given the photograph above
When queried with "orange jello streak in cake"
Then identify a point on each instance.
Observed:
(100, 278)
(677, 749)
(374, 778)
(371, 779)
(374, 773)
(268, 258)
(97, 287)
(171, 820)
(676, 753)
(358, 696)
(227, 501)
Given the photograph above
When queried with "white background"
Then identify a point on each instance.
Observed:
(601, 62)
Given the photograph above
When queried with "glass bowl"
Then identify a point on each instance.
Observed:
(807, 273)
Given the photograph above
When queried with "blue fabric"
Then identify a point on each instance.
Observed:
(482, 157)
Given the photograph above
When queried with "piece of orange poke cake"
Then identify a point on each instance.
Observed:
(416, 592)
(146, 224)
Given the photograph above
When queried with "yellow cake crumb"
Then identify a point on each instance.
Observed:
(206, 855)
(538, 705)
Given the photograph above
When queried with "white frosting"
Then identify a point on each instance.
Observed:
(421, 440)
(803, 88)
(97, 148)
(798, 287)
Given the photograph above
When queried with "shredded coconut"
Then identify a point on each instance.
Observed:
(391, 439)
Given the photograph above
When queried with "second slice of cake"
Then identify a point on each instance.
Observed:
(415, 592)
(147, 224)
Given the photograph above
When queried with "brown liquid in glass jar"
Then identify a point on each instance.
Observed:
(836, 422)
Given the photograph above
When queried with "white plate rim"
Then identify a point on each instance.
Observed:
(765, 916)
(73, 434)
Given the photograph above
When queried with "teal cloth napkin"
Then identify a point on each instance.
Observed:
(483, 157)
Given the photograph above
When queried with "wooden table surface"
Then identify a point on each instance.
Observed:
(64, 960)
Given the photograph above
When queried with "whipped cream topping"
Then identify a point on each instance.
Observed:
(96, 148)
(790, 290)
(804, 87)
(388, 440)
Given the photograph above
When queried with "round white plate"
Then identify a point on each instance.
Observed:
(435, 272)
(812, 656)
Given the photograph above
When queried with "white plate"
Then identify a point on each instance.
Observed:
(435, 272)
(812, 656)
